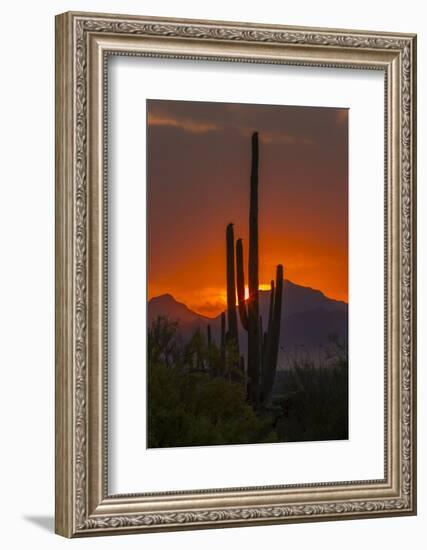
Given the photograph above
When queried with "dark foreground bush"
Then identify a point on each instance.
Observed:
(314, 403)
(190, 404)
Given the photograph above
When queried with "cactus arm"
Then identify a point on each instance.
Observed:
(267, 347)
(261, 345)
(277, 315)
(231, 286)
(272, 352)
(240, 276)
(271, 307)
(222, 343)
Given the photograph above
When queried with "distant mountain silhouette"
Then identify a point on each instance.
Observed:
(167, 305)
(309, 319)
(298, 299)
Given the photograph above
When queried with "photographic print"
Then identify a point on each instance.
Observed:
(247, 273)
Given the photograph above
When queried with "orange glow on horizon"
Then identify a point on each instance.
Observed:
(211, 303)
(260, 287)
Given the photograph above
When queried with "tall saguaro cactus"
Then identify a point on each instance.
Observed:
(262, 347)
(253, 299)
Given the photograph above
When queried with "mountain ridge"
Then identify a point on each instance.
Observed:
(162, 301)
(308, 319)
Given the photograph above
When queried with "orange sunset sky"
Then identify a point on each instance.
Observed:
(198, 160)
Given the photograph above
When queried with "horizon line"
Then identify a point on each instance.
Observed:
(260, 290)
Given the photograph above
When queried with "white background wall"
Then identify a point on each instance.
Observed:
(27, 273)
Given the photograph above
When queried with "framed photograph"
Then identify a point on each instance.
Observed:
(235, 274)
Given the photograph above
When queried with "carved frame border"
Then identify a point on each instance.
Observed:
(83, 43)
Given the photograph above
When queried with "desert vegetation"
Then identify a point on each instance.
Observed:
(191, 401)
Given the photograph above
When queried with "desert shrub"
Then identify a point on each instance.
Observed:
(188, 402)
(195, 400)
(314, 400)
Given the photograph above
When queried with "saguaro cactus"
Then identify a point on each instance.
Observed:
(262, 347)
(253, 299)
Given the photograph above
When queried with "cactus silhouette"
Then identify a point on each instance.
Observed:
(232, 338)
(231, 285)
(222, 344)
(263, 347)
(241, 284)
(253, 279)
(271, 337)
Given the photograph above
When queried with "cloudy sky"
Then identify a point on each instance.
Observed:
(198, 159)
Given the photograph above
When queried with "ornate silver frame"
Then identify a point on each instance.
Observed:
(83, 505)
